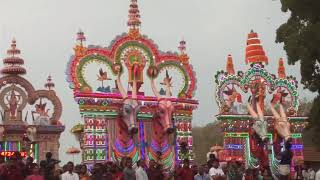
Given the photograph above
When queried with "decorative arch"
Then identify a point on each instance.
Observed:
(128, 44)
(230, 79)
(257, 70)
(51, 96)
(13, 79)
(184, 90)
(292, 90)
(81, 82)
(223, 79)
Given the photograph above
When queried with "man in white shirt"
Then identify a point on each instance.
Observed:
(140, 172)
(318, 175)
(70, 175)
(216, 172)
(311, 174)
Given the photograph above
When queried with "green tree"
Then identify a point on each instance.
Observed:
(204, 138)
(301, 38)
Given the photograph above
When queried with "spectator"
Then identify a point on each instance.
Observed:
(64, 168)
(57, 174)
(69, 175)
(2, 168)
(140, 172)
(298, 174)
(202, 175)
(318, 175)
(206, 168)
(83, 175)
(35, 174)
(77, 169)
(233, 172)
(249, 174)
(216, 172)
(154, 171)
(28, 166)
(285, 161)
(128, 172)
(13, 173)
(266, 174)
(194, 169)
(311, 174)
(117, 174)
(97, 171)
(186, 172)
(123, 163)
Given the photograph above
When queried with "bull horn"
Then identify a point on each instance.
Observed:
(154, 88)
(134, 89)
(168, 91)
(120, 87)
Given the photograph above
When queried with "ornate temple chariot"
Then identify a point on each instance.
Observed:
(120, 119)
(30, 118)
(260, 89)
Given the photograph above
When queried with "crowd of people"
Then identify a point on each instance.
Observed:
(17, 168)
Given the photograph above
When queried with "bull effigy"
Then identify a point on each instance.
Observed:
(254, 131)
(122, 119)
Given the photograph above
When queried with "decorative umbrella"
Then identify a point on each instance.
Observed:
(216, 148)
(73, 151)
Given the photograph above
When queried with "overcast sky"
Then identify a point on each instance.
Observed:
(45, 32)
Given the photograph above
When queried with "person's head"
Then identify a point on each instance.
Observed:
(194, 169)
(2, 159)
(83, 169)
(212, 156)
(152, 163)
(206, 168)
(201, 169)
(97, 169)
(64, 168)
(287, 145)
(215, 163)
(255, 172)
(29, 160)
(186, 163)
(35, 169)
(77, 168)
(123, 162)
(58, 172)
(70, 166)
(266, 172)
(43, 164)
(141, 163)
(48, 155)
(114, 168)
(129, 162)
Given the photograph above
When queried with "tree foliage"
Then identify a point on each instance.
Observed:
(204, 138)
(301, 38)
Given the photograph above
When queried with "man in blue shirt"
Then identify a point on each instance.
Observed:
(201, 174)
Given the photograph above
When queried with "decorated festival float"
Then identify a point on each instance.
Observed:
(123, 120)
(30, 118)
(258, 141)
